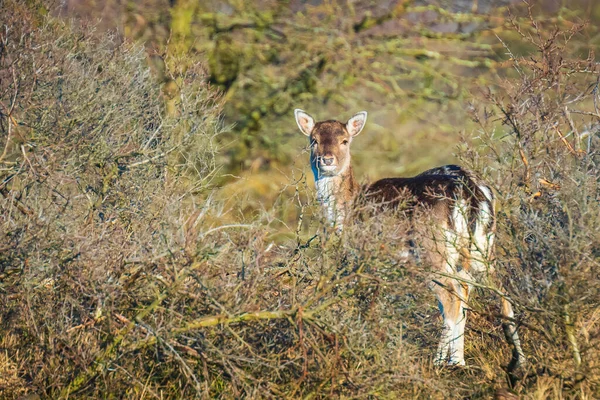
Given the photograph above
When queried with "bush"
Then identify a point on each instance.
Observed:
(97, 176)
(545, 164)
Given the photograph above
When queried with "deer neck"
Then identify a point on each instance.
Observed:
(336, 194)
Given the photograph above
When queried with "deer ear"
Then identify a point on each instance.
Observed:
(305, 122)
(356, 123)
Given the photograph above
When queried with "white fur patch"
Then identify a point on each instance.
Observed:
(487, 193)
(459, 216)
(326, 192)
(484, 215)
(326, 196)
(452, 251)
(456, 238)
(457, 340)
(483, 238)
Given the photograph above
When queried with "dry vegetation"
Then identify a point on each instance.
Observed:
(118, 278)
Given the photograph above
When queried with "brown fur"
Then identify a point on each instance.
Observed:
(427, 190)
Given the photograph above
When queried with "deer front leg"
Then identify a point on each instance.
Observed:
(452, 296)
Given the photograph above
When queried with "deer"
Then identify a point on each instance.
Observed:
(459, 245)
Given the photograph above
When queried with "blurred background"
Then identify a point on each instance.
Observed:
(414, 65)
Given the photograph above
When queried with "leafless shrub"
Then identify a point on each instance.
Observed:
(545, 162)
(98, 181)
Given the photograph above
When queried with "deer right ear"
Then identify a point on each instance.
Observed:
(305, 122)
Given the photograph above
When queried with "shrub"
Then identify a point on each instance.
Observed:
(544, 161)
(96, 176)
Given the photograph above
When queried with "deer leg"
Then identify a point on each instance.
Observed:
(445, 305)
(451, 296)
(508, 326)
(462, 290)
(512, 337)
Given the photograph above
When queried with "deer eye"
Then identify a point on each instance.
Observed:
(344, 142)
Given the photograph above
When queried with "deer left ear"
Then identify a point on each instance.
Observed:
(356, 123)
(305, 122)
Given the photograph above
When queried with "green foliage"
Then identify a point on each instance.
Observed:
(270, 58)
(412, 65)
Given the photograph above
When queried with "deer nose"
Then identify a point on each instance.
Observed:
(327, 160)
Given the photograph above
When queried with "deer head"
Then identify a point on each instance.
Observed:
(330, 142)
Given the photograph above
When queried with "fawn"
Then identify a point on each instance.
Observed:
(458, 247)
